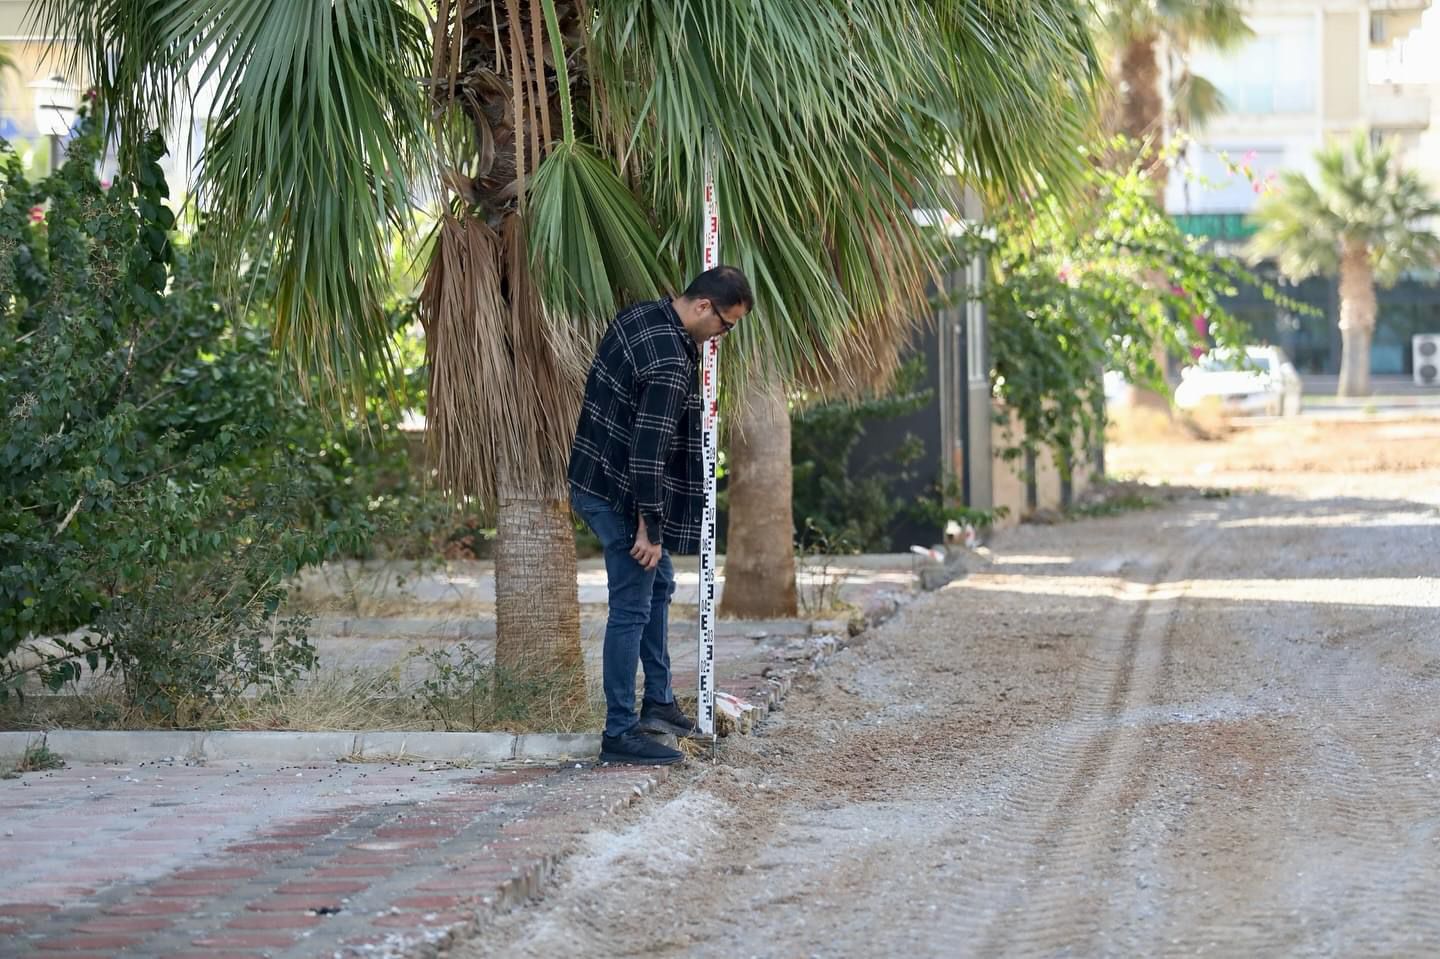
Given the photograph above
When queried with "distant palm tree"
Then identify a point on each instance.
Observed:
(1364, 218)
(1143, 34)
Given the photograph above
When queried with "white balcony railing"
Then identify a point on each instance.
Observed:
(1398, 106)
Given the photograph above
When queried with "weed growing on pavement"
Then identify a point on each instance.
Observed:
(819, 580)
(1116, 496)
(1114, 505)
(37, 756)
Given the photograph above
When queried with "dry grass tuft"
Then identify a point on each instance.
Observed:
(337, 700)
(329, 701)
(37, 757)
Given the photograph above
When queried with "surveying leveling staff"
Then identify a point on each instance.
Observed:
(637, 477)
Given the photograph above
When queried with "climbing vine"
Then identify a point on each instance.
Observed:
(1078, 289)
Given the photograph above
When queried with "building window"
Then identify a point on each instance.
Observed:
(1271, 73)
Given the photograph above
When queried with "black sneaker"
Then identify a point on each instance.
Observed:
(665, 718)
(637, 749)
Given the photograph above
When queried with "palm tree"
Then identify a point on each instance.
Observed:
(841, 268)
(1364, 218)
(1145, 34)
(567, 143)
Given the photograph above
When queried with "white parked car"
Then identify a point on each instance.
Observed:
(1261, 379)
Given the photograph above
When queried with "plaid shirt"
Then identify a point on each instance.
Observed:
(638, 444)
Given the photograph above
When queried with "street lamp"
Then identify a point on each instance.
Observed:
(55, 101)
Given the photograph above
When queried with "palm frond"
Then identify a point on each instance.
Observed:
(1360, 198)
(137, 66)
(1021, 80)
(827, 123)
(1219, 24)
(321, 129)
(504, 395)
(1197, 101)
(591, 246)
(464, 313)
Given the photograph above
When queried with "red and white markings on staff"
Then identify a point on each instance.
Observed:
(710, 382)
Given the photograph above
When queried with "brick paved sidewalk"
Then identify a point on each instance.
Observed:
(234, 861)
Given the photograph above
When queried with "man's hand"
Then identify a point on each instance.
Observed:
(644, 552)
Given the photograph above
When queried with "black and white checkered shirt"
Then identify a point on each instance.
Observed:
(638, 444)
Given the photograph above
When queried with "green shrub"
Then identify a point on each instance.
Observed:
(160, 475)
(841, 505)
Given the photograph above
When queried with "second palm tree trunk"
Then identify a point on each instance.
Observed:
(760, 551)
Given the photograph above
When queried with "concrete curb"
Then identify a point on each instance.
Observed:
(105, 746)
(482, 629)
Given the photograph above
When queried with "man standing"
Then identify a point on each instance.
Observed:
(637, 477)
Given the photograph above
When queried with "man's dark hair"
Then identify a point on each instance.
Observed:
(724, 286)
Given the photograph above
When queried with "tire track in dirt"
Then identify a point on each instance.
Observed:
(1054, 906)
(1318, 806)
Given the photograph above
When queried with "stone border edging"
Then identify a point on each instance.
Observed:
(240, 746)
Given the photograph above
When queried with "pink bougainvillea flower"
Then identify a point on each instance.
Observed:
(105, 184)
(37, 214)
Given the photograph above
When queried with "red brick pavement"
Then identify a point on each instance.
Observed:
(281, 862)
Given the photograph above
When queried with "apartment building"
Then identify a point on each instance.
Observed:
(1315, 71)
(38, 99)
(36, 109)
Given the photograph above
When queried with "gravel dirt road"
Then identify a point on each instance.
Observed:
(1208, 729)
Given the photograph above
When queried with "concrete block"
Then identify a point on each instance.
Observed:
(447, 747)
(282, 747)
(121, 746)
(557, 746)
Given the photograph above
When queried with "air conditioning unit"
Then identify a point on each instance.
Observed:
(1425, 348)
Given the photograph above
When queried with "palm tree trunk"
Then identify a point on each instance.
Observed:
(1357, 320)
(537, 606)
(1142, 106)
(1142, 101)
(760, 554)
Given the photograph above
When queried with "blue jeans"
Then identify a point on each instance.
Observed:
(637, 630)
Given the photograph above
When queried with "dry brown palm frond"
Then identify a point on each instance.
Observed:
(465, 319)
(549, 383)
